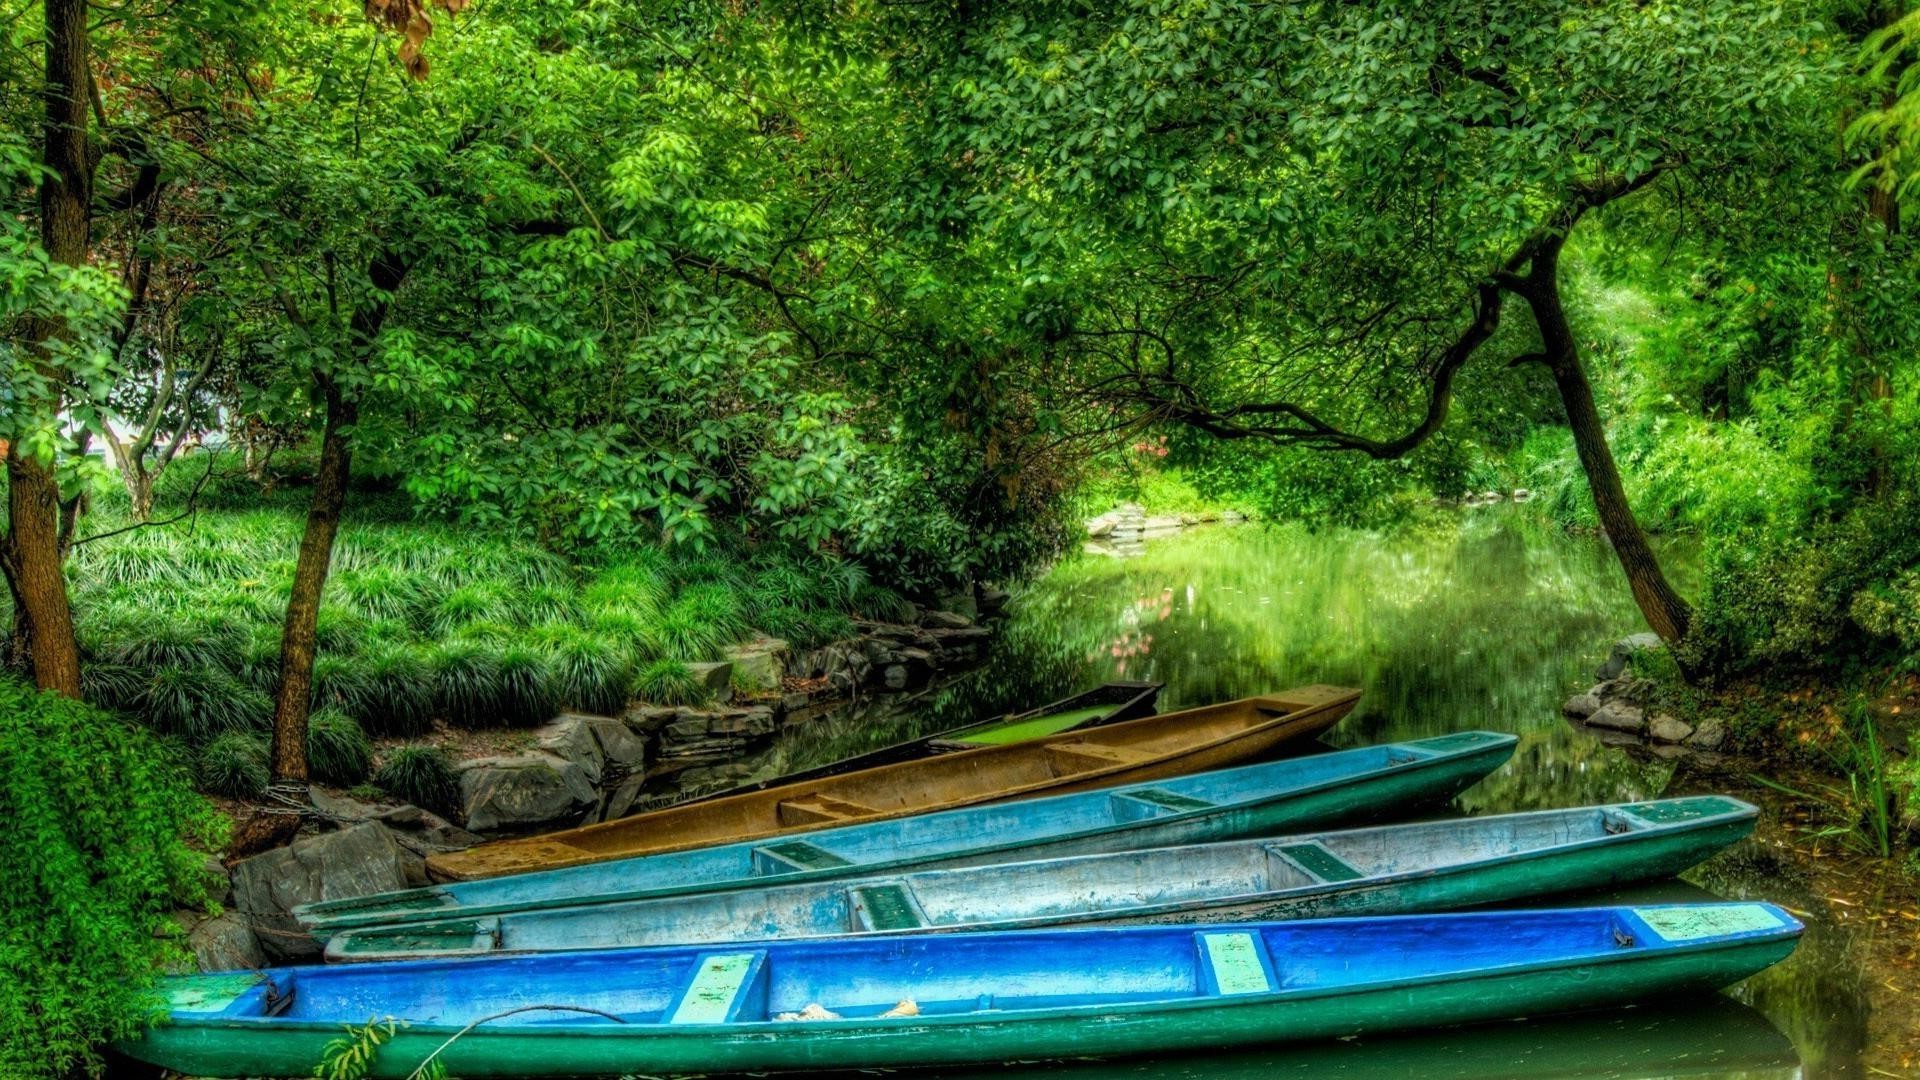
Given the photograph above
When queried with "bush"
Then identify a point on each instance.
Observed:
(200, 703)
(587, 672)
(668, 682)
(98, 850)
(337, 749)
(398, 692)
(235, 765)
(423, 776)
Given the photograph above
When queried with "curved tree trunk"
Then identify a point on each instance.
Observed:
(300, 634)
(1667, 614)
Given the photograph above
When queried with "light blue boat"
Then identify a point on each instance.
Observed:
(1371, 783)
(930, 999)
(1429, 866)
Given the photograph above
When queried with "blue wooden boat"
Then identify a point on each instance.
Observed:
(1432, 866)
(926, 999)
(1254, 800)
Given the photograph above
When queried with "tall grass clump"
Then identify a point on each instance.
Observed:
(398, 691)
(421, 775)
(337, 749)
(484, 683)
(200, 703)
(235, 765)
(668, 682)
(104, 839)
(587, 672)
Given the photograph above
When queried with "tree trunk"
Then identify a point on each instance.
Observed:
(32, 550)
(1666, 613)
(299, 635)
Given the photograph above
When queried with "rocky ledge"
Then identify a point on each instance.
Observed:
(579, 769)
(1616, 707)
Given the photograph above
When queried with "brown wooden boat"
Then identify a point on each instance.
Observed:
(1170, 744)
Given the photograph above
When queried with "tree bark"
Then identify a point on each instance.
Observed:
(299, 635)
(1667, 614)
(32, 550)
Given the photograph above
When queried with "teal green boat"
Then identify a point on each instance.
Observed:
(1370, 783)
(1431, 866)
(933, 999)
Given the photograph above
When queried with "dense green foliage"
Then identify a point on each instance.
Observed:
(640, 328)
(98, 851)
(423, 622)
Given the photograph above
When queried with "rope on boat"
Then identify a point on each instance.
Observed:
(421, 1069)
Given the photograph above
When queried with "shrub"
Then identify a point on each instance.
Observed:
(235, 765)
(98, 850)
(398, 692)
(337, 749)
(202, 702)
(463, 678)
(525, 691)
(423, 776)
(587, 672)
(668, 682)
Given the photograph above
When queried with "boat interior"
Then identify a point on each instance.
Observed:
(946, 780)
(1167, 879)
(957, 974)
(920, 837)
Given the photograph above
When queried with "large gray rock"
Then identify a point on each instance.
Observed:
(1581, 706)
(355, 861)
(1619, 716)
(759, 665)
(715, 677)
(1620, 657)
(618, 744)
(1710, 735)
(1668, 729)
(569, 738)
(225, 942)
(523, 790)
(945, 620)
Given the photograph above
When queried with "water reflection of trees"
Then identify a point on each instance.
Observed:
(1490, 624)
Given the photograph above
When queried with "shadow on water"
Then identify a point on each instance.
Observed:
(1487, 623)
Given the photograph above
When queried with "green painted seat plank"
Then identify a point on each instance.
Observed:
(791, 855)
(887, 906)
(1320, 862)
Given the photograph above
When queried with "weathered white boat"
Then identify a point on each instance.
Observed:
(1367, 784)
(1397, 868)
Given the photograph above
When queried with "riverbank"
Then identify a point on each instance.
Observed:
(576, 769)
(1483, 620)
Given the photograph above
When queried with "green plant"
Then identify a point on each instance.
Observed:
(337, 749)
(99, 850)
(1862, 814)
(398, 691)
(466, 678)
(668, 682)
(350, 1056)
(235, 765)
(586, 672)
(421, 775)
(201, 702)
(525, 693)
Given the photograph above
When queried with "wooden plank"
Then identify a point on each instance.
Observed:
(720, 985)
(1234, 963)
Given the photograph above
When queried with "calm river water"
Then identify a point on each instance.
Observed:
(1490, 622)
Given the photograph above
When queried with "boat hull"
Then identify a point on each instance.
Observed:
(1433, 866)
(1206, 1018)
(1366, 784)
(1153, 748)
(1123, 701)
